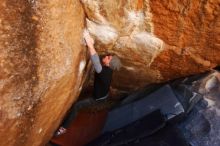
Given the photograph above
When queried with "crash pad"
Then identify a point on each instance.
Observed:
(84, 128)
(144, 127)
(163, 99)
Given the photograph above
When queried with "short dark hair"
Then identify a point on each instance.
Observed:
(104, 55)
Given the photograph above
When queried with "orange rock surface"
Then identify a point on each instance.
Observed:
(156, 40)
(43, 63)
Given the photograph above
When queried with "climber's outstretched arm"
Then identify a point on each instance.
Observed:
(90, 42)
(94, 56)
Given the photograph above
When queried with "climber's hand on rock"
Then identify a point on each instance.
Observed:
(89, 40)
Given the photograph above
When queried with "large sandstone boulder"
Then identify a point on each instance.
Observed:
(42, 63)
(156, 40)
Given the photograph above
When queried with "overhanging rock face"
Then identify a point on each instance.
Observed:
(42, 61)
(156, 40)
(41, 67)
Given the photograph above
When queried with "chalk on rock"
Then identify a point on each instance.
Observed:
(103, 32)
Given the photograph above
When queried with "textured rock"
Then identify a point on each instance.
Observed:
(42, 61)
(156, 40)
(42, 64)
(202, 127)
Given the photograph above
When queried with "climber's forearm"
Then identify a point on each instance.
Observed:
(94, 56)
(92, 50)
(90, 42)
(95, 59)
(96, 63)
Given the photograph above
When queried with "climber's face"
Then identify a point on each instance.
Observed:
(106, 60)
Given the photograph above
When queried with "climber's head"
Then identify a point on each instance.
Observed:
(106, 59)
(112, 61)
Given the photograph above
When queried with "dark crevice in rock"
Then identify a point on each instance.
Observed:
(217, 68)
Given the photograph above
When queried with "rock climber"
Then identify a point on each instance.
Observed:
(102, 81)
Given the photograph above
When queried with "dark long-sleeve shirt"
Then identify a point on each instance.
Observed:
(103, 77)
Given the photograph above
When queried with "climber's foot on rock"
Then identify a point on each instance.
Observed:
(60, 131)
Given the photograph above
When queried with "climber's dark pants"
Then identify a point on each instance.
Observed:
(75, 108)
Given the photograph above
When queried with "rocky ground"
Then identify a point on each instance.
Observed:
(202, 126)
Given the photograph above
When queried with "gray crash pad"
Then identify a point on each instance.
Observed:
(163, 99)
